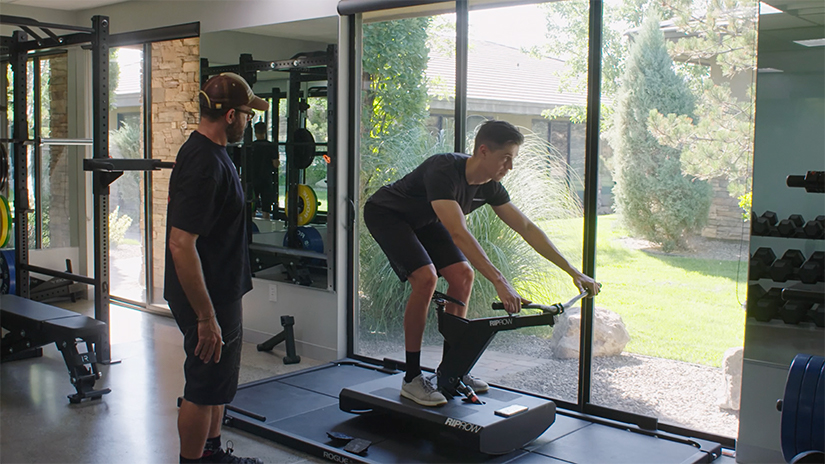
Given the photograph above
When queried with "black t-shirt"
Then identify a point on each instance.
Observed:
(264, 153)
(206, 199)
(439, 177)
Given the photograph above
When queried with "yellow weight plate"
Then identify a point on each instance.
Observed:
(5, 221)
(307, 204)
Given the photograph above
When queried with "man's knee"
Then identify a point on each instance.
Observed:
(459, 275)
(423, 280)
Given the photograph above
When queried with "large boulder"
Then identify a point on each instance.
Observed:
(732, 378)
(609, 333)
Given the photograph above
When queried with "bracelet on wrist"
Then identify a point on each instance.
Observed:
(207, 319)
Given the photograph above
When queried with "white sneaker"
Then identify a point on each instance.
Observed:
(478, 385)
(422, 391)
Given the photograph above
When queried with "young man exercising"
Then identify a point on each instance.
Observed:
(418, 221)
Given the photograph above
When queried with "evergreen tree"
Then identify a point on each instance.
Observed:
(655, 200)
(718, 141)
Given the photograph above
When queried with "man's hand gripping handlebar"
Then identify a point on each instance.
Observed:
(553, 309)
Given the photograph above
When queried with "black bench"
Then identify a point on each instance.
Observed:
(32, 324)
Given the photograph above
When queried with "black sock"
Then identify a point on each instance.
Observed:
(183, 460)
(212, 444)
(413, 365)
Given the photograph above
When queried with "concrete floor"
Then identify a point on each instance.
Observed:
(137, 421)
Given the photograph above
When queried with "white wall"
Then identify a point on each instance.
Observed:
(225, 47)
(315, 312)
(45, 15)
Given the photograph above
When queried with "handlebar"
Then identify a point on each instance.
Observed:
(554, 309)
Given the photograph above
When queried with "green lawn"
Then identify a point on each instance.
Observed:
(674, 307)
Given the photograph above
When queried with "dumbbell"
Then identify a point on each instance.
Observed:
(764, 224)
(817, 314)
(762, 305)
(791, 227)
(815, 228)
(760, 263)
(794, 311)
(785, 268)
(813, 270)
(755, 293)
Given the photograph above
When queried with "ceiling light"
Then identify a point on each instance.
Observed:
(812, 42)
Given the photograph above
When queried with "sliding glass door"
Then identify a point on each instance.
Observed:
(664, 209)
(127, 199)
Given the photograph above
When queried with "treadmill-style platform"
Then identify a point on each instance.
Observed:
(489, 428)
(300, 409)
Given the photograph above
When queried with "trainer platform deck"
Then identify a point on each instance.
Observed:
(300, 409)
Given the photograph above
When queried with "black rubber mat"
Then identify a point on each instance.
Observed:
(563, 425)
(598, 444)
(533, 458)
(276, 400)
(331, 380)
(301, 408)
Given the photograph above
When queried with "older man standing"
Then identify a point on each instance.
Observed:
(207, 264)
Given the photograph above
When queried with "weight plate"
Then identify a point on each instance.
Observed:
(5, 221)
(303, 148)
(804, 409)
(790, 401)
(7, 273)
(307, 204)
(309, 238)
(818, 424)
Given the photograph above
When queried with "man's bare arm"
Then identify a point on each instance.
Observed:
(450, 214)
(190, 274)
(540, 242)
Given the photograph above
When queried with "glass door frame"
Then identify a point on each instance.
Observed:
(145, 38)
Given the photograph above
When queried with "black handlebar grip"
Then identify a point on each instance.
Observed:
(500, 305)
(442, 296)
(554, 309)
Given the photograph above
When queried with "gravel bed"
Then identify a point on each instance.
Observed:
(676, 392)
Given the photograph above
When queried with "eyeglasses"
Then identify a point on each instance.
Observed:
(248, 113)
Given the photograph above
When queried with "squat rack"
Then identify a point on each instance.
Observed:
(104, 169)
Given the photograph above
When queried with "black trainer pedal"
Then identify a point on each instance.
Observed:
(357, 446)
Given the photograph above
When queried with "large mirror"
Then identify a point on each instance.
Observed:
(287, 159)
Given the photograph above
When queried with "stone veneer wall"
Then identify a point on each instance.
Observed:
(725, 219)
(58, 169)
(175, 114)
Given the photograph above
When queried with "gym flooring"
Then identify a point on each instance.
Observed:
(137, 421)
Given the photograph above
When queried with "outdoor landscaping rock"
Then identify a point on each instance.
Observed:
(609, 334)
(732, 378)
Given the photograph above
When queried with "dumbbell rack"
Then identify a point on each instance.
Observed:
(793, 273)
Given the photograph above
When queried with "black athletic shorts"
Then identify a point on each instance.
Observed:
(409, 249)
(211, 383)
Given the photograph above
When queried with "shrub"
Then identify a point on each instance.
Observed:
(118, 225)
(656, 201)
